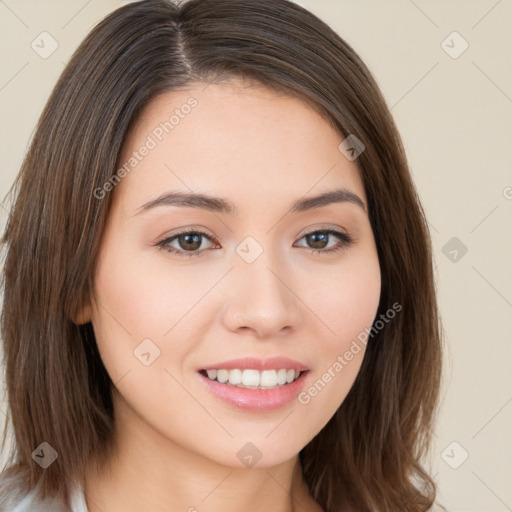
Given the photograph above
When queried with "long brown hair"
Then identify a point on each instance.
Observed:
(369, 455)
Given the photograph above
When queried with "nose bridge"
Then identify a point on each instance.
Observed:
(260, 296)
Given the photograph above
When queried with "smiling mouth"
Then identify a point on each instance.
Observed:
(253, 379)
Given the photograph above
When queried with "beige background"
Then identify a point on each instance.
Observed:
(455, 117)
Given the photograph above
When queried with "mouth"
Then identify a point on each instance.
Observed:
(252, 384)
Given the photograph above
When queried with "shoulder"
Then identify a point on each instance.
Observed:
(14, 497)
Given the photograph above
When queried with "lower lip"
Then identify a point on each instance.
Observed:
(256, 399)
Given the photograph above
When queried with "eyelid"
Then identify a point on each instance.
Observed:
(188, 229)
(323, 227)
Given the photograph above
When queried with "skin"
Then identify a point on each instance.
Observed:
(176, 443)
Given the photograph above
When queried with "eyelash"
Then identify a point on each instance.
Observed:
(346, 241)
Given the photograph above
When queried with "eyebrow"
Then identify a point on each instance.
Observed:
(221, 205)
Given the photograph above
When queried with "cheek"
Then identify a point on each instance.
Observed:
(346, 307)
(148, 303)
(134, 304)
(139, 323)
(345, 299)
(141, 293)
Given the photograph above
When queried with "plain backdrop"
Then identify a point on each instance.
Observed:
(445, 68)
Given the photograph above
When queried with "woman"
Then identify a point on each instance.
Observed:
(218, 287)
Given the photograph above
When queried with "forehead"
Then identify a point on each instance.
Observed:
(233, 138)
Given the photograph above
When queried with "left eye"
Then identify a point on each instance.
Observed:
(190, 242)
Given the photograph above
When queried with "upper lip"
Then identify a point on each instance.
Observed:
(272, 363)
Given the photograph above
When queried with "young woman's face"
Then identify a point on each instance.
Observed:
(262, 282)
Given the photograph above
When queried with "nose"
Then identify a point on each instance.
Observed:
(261, 300)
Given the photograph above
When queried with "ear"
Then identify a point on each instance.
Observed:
(83, 315)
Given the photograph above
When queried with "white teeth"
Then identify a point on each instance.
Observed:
(235, 377)
(249, 378)
(222, 375)
(269, 378)
(281, 376)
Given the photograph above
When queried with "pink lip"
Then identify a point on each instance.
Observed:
(256, 399)
(273, 363)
